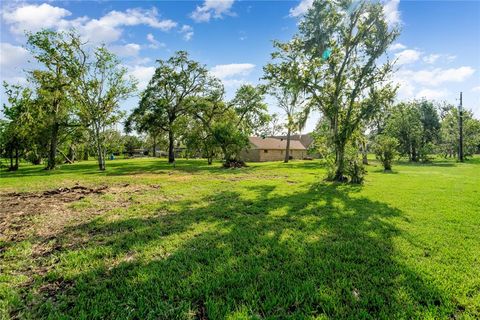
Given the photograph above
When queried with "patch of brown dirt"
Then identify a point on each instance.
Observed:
(45, 214)
(20, 212)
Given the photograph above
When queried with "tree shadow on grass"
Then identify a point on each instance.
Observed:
(127, 167)
(323, 252)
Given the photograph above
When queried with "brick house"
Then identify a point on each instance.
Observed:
(272, 149)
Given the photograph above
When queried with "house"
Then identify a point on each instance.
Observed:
(272, 149)
(305, 139)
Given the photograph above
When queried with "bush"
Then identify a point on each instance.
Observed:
(231, 163)
(385, 149)
(354, 171)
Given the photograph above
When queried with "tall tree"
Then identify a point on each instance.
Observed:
(166, 97)
(19, 120)
(285, 83)
(58, 55)
(342, 43)
(207, 112)
(100, 87)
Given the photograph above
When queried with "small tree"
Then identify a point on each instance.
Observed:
(17, 129)
(386, 150)
(285, 83)
(102, 84)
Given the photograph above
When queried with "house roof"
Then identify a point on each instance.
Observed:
(275, 144)
(306, 139)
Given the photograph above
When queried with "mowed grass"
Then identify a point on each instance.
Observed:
(271, 241)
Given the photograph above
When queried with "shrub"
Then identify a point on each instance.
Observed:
(355, 171)
(385, 149)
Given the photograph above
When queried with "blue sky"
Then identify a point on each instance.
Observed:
(438, 51)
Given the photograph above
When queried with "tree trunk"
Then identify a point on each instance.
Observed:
(85, 153)
(101, 157)
(209, 160)
(171, 151)
(11, 160)
(52, 154)
(387, 167)
(340, 163)
(414, 154)
(364, 153)
(100, 148)
(287, 150)
(154, 151)
(101, 162)
(16, 158)
(71, 154)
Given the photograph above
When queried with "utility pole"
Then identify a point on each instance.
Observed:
(460, 128)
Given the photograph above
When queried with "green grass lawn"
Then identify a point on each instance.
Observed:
(271, 241)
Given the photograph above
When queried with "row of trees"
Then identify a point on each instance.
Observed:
(418, 129)
(183, 99)
(332, 65)
(72, 96)
(336, 64)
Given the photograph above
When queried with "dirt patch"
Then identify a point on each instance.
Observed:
(45, 214)
(22, 213)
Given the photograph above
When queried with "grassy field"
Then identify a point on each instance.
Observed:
(145, 240)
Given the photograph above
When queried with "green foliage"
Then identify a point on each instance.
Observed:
(348, 87)
(385, 149)
(60, 59)
(230, 139)
(449, 132)
(167, 97)
(101, 85)
(17, 128)
(251, 109)
(416, 126)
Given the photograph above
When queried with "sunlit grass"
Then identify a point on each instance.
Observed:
(269, 241)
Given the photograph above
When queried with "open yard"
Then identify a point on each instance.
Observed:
(144, 240)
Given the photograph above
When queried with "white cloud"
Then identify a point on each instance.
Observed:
(431, 58)
(432, 94)
(154, 44)
(12, 56)
(224, 71)
(232, 75)
(212, 9)
(390, 9)
(187, 32)
(451, 57)
(476, 89)
(34, 17)
(397, 46)
(128, 50)
(106, 29)
(301, 8)
(407, 56)
(410, 81)
(234, 83)
(142, 73)
(439, 76)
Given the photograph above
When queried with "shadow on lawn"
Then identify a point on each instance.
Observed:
(124, 167)
(325, 251)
